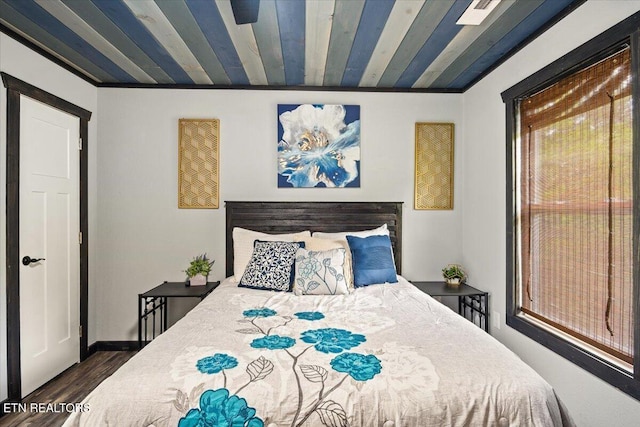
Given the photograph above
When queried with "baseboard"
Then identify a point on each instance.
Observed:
(113, 346)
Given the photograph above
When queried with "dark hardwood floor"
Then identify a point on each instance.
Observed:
(69, 387)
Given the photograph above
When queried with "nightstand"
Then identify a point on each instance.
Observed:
(152, 306)
(473, 304)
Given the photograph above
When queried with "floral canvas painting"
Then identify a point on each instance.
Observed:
(318, 145)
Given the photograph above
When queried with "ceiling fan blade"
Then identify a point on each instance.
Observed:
(245, 11)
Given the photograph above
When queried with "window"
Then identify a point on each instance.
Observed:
(573, 226)
(574, 210)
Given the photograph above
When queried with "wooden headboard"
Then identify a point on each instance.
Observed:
(329, 217)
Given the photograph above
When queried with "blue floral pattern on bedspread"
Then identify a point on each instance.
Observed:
(259, 312)
(309, 315)
(216, 363)
(273, 342)
(361, 367)
(221, 408)
(218, 409)
(332, 340)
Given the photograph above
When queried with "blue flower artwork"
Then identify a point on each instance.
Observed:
(318, 145)
(218, 408)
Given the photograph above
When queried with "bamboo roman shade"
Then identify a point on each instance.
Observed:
(575, 206)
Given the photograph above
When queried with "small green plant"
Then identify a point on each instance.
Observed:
(199, 265)
(454, 271)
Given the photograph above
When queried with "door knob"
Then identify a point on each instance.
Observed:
(28, 260)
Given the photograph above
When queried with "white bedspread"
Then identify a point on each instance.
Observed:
(385, 355)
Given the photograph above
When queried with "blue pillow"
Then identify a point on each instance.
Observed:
(372, 260)
(272, 266)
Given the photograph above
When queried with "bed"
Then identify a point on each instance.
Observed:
(383, 354)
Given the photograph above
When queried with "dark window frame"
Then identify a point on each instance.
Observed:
(626, 32)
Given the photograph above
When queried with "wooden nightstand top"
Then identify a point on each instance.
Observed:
(441, 289)
(178, 289)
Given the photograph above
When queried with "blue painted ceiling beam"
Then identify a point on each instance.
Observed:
(47, 22)
(516, 36)
(212, 25)
(435, 44)
(291, 22)
(374, 17)
(123, 18)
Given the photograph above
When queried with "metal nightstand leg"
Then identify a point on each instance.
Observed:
(474, 308)
(148, 309)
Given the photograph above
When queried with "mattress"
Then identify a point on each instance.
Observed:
(382, 355)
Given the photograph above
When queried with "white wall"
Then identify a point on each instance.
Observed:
(144, 238)
(28, 66)
(591, 401)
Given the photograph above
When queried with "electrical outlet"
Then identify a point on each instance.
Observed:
(495, 316)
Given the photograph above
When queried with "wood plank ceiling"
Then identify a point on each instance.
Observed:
(387, 45)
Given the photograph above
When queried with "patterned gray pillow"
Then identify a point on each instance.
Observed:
(320, 272)
(272, 266)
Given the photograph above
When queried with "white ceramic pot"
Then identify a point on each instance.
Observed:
(198, 280)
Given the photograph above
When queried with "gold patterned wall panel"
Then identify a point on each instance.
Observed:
(434, 166)
(198, 161)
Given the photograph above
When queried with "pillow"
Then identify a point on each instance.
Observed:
(321, 244)
(342, 236)
(320, 272)
(272, 265)
(243, 246)
(380, 231)
(372, 260)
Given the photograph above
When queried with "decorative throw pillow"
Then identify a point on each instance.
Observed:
(272, 265)
(342, 237)
(322, 244)
(243, 240)
(372, 259)
(320, 272)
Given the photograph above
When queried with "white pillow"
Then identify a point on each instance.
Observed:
(325, 244)
(243, 246)
(320, 272)
(380, 231)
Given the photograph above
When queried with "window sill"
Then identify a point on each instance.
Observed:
(613, 373)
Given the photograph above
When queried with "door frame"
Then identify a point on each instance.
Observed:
(15, 88)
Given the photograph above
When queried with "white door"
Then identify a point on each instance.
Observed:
(49, 229)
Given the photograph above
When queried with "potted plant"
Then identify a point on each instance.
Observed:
(199, 270)
(454, 274)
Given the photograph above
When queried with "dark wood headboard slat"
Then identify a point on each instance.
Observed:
(330, 217)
